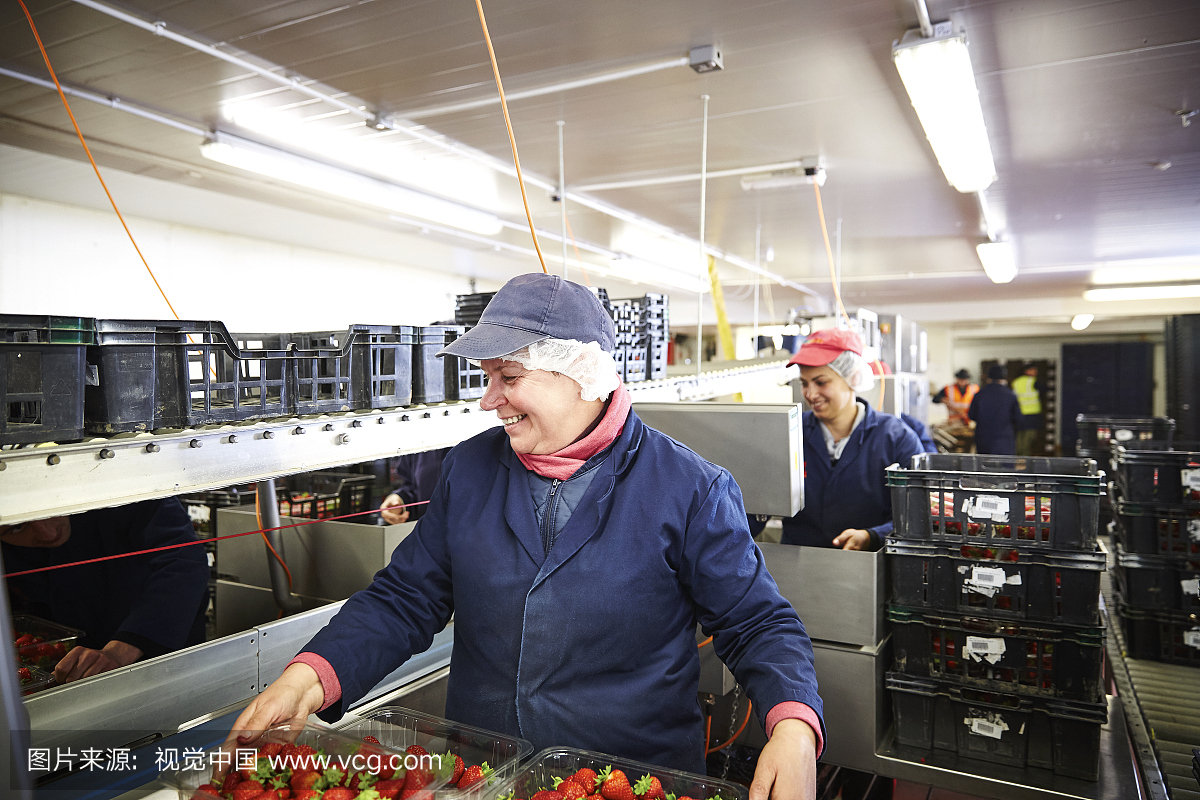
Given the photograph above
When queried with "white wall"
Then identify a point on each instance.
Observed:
(75, 261)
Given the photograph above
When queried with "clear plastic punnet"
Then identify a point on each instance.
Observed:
(42, 643)
(563, 762)
(334, 758)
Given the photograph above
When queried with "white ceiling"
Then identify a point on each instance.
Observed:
(1079, 98)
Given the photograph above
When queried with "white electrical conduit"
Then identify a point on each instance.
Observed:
(693, 176)
(562, 196)
(437, 140)
(703, 259)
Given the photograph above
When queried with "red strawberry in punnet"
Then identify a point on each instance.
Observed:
(570, 790)
(389, 789)
(306, 794)
(339, 793)
(585, 778)
(416, 750)
(473, 775)
(547, 794)
(247, 790)
(614, 785)
(303, 779)
(458, 770)
(649, 787)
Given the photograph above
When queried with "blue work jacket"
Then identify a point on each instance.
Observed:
(853, 494)
(997, 416)
(591, 645)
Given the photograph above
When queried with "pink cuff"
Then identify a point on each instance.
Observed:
(333, 688)
(793, 710)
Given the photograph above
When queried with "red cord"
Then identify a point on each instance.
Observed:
(202, 541)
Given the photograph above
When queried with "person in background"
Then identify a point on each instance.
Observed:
(1026, 387)
(997, 415)
(128, 608)
(577, 550)
(848, 447)
(957, 397)
(921, 431)
(415, 475)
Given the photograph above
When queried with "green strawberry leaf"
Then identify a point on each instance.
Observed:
(278, 783)
(369, 794)
(333, 776)
(603, 775)
(557, 781)
(366, 780)
(671, 796)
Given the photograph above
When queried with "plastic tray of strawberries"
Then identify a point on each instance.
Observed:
(482, 758)
(564, 773)
(41, 643)
(33, 679)
(306, 764)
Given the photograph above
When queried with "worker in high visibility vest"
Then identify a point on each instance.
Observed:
(957, 397)
(1026, 388)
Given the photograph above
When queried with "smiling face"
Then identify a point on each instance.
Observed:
(542, 411)
(826, 392)
(52, 532)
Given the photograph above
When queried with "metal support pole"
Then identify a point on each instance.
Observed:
(757, 280)
(703, 271)
(562, 194)
(268, 509)
(838, 256)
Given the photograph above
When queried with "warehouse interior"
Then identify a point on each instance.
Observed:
(312, 165)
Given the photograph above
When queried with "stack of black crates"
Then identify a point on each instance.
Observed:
(641, 328)
(1157, 506)
(995, 610)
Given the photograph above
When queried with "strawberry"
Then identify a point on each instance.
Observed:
(268, 794)
(418, 777)
(270, 749)
(303, 755)
(285, 793)
(303, 779)
(474, 774)
(247, 789)
(614, 785)
(388, 789)
(339, 793)
(24, 674)
(416, 750)
(206, 791)
(370, 739)
(23, 640)
(231, 780)
(420, 794)
(585, 778)
(547, 794)
(570, 790)
(458, 770)
(649, 787)
(306, 794)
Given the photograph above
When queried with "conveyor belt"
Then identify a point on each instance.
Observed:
(1162, 708)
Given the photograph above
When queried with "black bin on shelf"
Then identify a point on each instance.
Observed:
(437, 380)
(1162, 473)
(1159, 583)
(43, 371)
(321, 495)
(1172, 637)
(1152, 529)
(1027, 503)
(1099, 434)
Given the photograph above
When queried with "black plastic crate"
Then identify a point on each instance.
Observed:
(1159, 583)
(1059, 735)
(43, 372)
(202, 506)
(1150, 529)
(321, 495)
(469, 307)
(1098, 434)
(1169, 636)
(1003, 583)
(463, 380)
(433, 377)
(1164, 473)
(1000, 655)
(1028, 503)
(179, 374)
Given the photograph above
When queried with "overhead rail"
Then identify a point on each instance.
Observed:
(50, 480)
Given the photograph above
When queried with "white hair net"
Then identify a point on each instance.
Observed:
(583, 362)
(855, 370)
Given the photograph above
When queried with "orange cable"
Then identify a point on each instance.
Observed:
(578, 257)
(732, 739)
(511, 138)
(705, 642)
(707, 732)
(87, 150)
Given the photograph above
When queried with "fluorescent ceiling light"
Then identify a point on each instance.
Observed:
(312, 174)
(1157, 292)
(998, 261)
(941, 84)
(640, 271)
(1080, 321)
(1146, 272)
(780, 180)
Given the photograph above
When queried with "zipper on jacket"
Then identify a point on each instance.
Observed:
(548, 519)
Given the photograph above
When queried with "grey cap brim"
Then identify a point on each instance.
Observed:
(489, 340)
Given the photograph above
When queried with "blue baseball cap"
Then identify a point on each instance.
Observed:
(533, 307)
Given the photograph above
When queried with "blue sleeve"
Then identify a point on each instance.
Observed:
(904, 445)
(162, 615)
(971, 413)
(397, 616)
(755, 631)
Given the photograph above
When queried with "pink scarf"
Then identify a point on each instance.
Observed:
(566, 462)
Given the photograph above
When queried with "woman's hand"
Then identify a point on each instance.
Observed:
(84, 662)
(787, 768)
(396, 516)
(852, 539)
(289, 700)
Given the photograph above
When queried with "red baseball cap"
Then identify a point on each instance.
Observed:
(825, 345)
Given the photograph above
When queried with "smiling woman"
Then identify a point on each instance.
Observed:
(573, 529)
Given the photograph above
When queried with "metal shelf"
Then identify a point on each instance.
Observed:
(43, 481)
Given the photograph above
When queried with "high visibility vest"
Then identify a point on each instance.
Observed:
(1027, 395)
(958, 402)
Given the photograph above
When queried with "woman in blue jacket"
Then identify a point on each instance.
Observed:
(577, 550)
(848, 447)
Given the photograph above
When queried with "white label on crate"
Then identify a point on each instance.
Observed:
(993, 729)
(1194, 529)
(1192, 638)
(987, 506)
(981, 649)
(1190, 478)
(1122, 435)
(198, 513)
(1190, 587)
